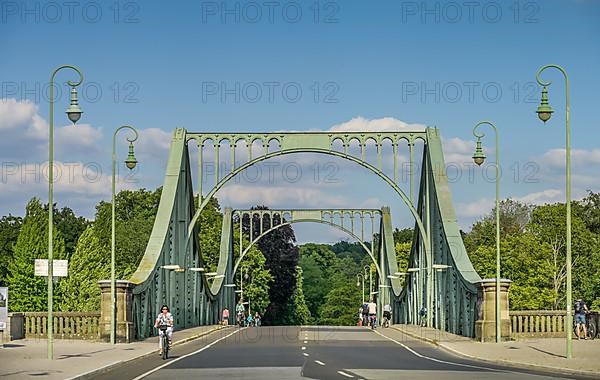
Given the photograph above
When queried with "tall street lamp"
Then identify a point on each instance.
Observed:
(479, 158)
(360, 277)
(130, 162)
(74, 114)
(367, 268)
(544, 112)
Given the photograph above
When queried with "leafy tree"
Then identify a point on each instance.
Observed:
(315, 284)
(29, 292)
(281, 254)
(404, 235)
(300, 314)
(70, 226)
(589, 211)
(135, 212)
(89, 264)
(548, 224)
(342, 302)
(9, 232)
(353, 250)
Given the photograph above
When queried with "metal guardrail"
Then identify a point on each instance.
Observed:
(67, 325)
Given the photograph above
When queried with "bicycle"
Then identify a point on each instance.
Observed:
(373, 321)
(385, 322)
(165, 341)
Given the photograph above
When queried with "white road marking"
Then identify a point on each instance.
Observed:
(305, 354)
(303, 348)
(344, 374)
(188, 355)
(306, 341)
(442, 361)
(319, 362)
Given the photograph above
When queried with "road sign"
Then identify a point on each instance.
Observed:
(3, 308)
(59, 268)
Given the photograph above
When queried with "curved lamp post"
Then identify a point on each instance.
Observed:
(360, 277)
(479, 158)
(367, 270)
(74, 114)
(130, 162)
(544, 112)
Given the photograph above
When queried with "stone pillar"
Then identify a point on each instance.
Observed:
(485, 326)
(124, 310)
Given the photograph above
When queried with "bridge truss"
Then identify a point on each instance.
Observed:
(439, 277)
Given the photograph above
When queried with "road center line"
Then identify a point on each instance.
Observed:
(303, 348)
(305, 354)
(188, 355)
(344, 374)
(319, 362)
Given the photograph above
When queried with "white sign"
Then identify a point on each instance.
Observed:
(3, 308)
(59, 268)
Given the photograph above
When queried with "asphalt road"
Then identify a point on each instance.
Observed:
(281, 353)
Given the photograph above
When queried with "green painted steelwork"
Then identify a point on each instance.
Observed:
(74, 113)
(544, 112)
(479, 158)
(196, 301)
(131, 163)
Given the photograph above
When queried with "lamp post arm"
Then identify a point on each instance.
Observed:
(113, 229)
(568, 194)
(51, 202)
(497, 166)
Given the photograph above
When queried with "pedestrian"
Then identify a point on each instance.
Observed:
(225, 320)
(581, 310)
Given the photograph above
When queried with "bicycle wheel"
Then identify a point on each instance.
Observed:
(592, 329)
(165, 347)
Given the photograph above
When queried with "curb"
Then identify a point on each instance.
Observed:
(111, 366)
(502, 362)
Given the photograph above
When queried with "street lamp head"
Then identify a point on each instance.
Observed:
(478, 156)
(131, 162)
(544, 110)
(74, 112)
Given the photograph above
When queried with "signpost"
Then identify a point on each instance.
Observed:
(3, 310)
(59, 268)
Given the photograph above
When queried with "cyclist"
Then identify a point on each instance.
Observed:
(249, 320)
(387, 315)
(257, 319)
(164, 318)
(581, 310)
(241, 311)
(373, 314)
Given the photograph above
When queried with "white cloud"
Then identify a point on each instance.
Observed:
(556, 158)
(475, 209)
(543, 197)
(24, 130)
(359, 124)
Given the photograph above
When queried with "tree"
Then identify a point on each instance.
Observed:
(70, 226)
(9, 232)
(315, 284)
(89, 264)
(300, 314)
(281, 255)
(29, 292)
(342, 302)
(548, 224)
(135, 212)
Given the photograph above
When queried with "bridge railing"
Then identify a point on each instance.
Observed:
(537, 323)
(67, 325)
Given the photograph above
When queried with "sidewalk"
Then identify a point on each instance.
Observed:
(27, 358)
(535, 353)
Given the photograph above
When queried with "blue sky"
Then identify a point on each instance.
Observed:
(383, 64)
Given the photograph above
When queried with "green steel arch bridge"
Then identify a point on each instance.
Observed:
(440, 275)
